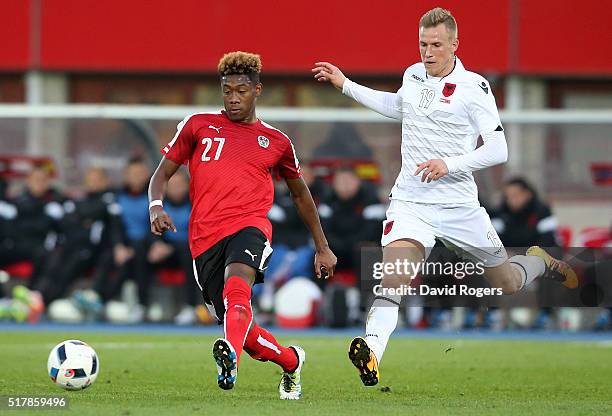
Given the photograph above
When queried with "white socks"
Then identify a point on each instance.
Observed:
(381, 322)
(530, 267)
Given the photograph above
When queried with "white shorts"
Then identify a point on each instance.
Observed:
(464, 228)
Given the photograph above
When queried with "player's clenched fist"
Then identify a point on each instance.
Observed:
(432, 170)
(324, 71)
(325, 263)
(160, 221)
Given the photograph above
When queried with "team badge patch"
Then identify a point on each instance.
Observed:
(263, 141)
(388, 227)
(448, 89)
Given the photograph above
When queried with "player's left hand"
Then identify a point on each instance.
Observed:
(325, 263)
(160, 220)
(432, 170)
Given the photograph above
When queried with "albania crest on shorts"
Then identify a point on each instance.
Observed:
(263, 141)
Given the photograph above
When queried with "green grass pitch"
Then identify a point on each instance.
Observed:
(175, 375)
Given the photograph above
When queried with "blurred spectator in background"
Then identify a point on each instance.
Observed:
(130, 256)
(172, 249)
(32, 223)
(293, 250)
(91, 227)
(523, 220)
(343, 142)
(476, 313)
(7, 213)
(351, 216)
(319, 189)
(3, 188)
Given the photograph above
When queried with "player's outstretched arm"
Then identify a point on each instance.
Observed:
(386, 103)
(160, 220)
(325, 260)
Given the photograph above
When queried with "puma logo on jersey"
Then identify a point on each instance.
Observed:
(484, 87)
(250, 254)
(217, 129)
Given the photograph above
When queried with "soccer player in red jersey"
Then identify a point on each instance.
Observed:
(231, 157)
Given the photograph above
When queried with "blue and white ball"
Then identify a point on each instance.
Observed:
(73, 365)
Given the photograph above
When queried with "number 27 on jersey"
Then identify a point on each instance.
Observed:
(208, 143)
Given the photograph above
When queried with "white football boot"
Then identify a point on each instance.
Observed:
(290, 387)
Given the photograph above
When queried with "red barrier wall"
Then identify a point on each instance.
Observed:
(14, 35)
(573, 39)
(533, 37)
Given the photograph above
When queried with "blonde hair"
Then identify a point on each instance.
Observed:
(437, 16)
(239, 62)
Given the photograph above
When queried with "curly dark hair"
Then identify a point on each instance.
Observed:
(239, 62)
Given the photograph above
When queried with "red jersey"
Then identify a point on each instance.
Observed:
(231, 174)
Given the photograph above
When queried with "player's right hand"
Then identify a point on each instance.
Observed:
(325, 263)
(160, 220)
(324, 71)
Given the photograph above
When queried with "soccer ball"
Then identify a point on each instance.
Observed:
(73, 365)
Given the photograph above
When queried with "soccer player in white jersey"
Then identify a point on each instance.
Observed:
(443, 109)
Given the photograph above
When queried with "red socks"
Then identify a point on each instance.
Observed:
(262, 346)
(258, 343)
(238, 313)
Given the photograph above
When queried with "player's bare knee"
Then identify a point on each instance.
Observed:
(403, 257)
(396, 281)
(243, 271)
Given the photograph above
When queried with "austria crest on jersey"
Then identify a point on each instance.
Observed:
(448, 89)
(263, 141)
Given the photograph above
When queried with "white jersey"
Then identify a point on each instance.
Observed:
(441, 119)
